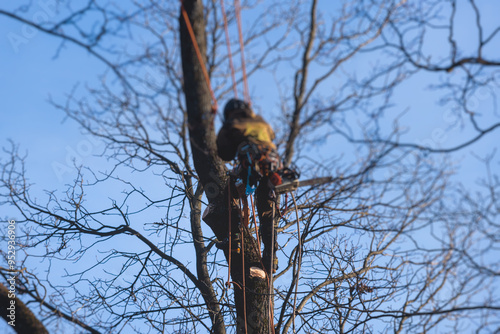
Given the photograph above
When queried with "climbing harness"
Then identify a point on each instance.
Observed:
(249, 189)
(257, 161)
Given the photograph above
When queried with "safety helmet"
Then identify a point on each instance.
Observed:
(239, 106)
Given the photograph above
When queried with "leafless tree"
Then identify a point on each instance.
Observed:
(393, 244)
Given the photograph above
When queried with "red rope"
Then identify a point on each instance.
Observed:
(256, 228)
(199, 56)
(271, 310)
(230, 223)
(271, 316)
(228, 44)
(299, 262)
(228, 284)
(244, 285)
(237, 8)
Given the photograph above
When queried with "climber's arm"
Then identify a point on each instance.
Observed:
(226, 144)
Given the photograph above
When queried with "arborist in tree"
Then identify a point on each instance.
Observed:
(248, 138)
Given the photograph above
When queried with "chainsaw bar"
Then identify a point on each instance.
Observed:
(293, 185)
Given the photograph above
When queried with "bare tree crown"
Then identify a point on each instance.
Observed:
(395, 244)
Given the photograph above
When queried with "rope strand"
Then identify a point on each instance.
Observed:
(271, 313)
(237, 8)
(256, 228)
(244, 285)
(228, 284)
(199, 56)
(299, 261)
(229, 53)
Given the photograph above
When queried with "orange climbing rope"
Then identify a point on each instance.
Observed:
(270, 283)
(244, 284)
(256, 228)
(229, 237)
(299, 262)
(228, 44)
(199, 56)
(237, 8)
(214, 110)
(228, 284)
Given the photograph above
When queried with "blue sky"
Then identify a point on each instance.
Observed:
(30, 77)
(34, 71)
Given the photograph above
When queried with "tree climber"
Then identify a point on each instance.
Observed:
(248, 138)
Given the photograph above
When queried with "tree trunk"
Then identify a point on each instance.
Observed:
(24, 320)
(254, 315)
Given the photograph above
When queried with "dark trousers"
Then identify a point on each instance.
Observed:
(265, 201)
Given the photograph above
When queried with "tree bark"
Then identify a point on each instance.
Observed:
(25, 321)
(253, 316)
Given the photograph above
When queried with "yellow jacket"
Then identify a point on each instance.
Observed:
(238, 130)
